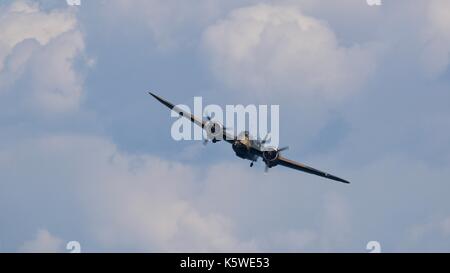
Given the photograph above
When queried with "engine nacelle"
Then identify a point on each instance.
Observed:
(270, 157)
(214, 131)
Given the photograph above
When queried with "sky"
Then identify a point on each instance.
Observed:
(86, 154)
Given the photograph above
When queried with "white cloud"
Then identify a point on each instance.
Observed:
(23, 20)
(440, 226)
(432, 235)
(436, 37)
(293, 240)
(43, 243)
(140, 202)
(284, 210)
(144, 203)
(171, 23)
(55, 84)
(37, 53)
(278, 51)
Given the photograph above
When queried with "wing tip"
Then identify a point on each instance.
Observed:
(335, 178)
(343, 181)
(161, 100)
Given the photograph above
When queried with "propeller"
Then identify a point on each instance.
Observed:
(224, 129)
(266, 168)
(208, 117)
(265, 139)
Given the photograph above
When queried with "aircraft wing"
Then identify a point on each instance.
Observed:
(301, 167)
(199, 121)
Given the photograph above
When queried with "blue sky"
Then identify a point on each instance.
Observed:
(86, 154)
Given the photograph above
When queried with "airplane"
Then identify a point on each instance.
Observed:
(244, 147)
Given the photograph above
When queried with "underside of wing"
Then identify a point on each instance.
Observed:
(178, 110)
(301, 167)
(199, 121)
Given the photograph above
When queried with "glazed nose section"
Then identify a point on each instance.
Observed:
(239, 148)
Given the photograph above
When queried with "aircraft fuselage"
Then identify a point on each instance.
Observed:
(242, 149)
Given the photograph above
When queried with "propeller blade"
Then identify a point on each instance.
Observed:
(208, 116)
(205, 142)
(266, 169)
(283, 149)
(265, 139)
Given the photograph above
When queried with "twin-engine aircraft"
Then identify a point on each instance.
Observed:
(244, 146)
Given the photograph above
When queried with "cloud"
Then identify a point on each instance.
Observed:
(436, 37)
(432, 235)
(138, 202)
(394, 146)
(56, 86)
(172, 24)
(38, 51)
(23, 20)
(270, 50)
(43, 243)
(280, 211)
(84, 188)
(441, 226)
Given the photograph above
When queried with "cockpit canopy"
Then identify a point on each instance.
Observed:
(244, 135)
